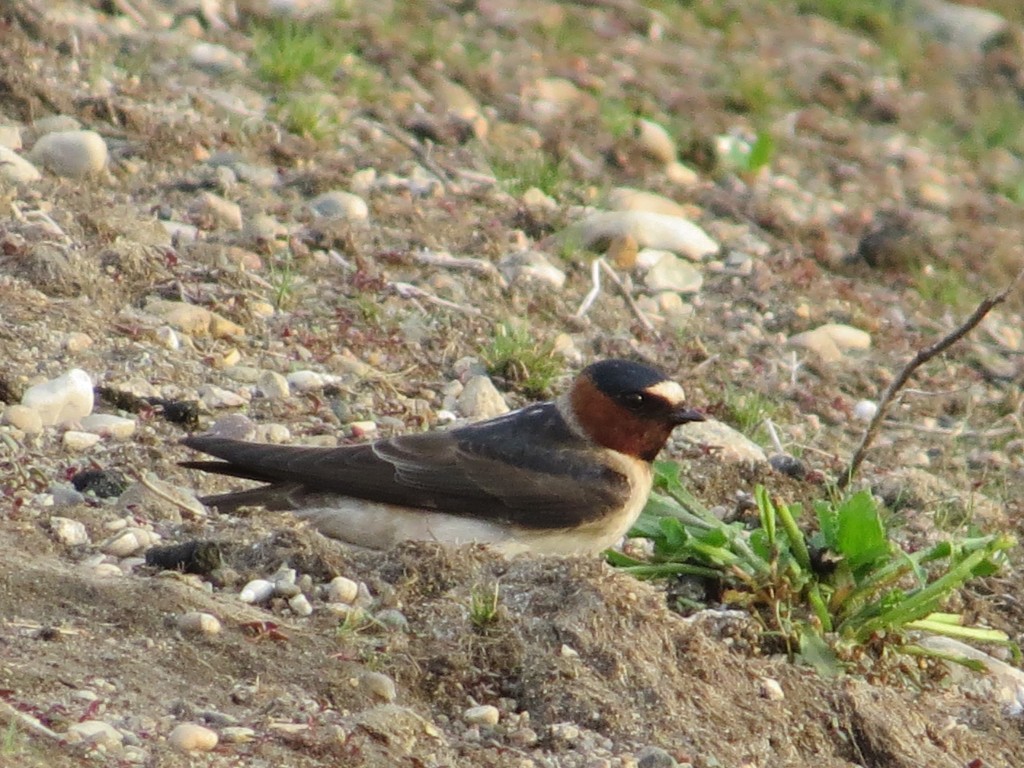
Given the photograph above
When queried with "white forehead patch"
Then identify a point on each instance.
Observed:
(668, 391)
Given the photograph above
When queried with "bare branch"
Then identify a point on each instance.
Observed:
(922, 357)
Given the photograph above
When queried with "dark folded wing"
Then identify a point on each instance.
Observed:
(535, 474)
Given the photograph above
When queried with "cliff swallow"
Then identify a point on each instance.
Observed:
(561, 477)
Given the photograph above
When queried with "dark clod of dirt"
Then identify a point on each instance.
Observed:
(199, 557)
(102, 483)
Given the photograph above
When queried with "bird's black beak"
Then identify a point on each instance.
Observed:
(686, 415)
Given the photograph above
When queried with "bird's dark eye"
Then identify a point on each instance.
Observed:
(634, 400)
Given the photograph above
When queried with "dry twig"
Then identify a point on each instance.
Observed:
(922, 356)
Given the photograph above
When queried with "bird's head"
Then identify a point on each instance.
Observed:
(629, 407)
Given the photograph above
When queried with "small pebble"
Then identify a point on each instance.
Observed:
(108, 425)
(128, 542)
(340, 205)
(68, 532)
(485, 714)
(256, 591)
(342, 590)
(865, 410)
(199, 623)
(211, 211)
(300, 605)
(189, 737)
(378, 685)
(74, 440)
(771, 689)
(655, 757)
(306, 381)
(95, 732)
(480, 399)
(63, 400)
(272, 385)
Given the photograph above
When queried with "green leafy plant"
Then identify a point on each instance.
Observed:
(843, 586)
(516, 356)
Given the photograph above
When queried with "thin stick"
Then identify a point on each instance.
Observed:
(634, 307)
(922, 356)
(595, 289)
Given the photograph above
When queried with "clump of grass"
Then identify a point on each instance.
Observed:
(945, 286)
(518, 173)
(284, 280)
(748, 412)
(823, 594)
(286, 52)
(484, 606)
(516, 356)
(307, 116)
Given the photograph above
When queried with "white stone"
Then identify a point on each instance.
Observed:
(671, 273)
(306, 381)
(340, 205)
(480, 399)
(256, 591)
(73, 154)
(24, 418)
(272, 385)
(189, 737)
(342, 590)
(199, 623)
(63, 400)
(128, 542)
(70, 533)
(300, 605)
(865, 410)
(531, 267)
(771, 689)
(214, 397)
(16, 169)
(108, 425)
(654, 140)
(650, 230)
(846, 337)
(74, 440)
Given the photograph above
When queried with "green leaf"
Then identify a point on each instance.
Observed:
(761, 152)
(860, 536)
(815, 652)
(828, 525)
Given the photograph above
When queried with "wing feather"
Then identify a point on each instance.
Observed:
(528, 468)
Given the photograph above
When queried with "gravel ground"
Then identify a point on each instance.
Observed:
(777, 207)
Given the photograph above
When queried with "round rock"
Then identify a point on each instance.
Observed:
(189, 737)
(73, 154)
(340, 205)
